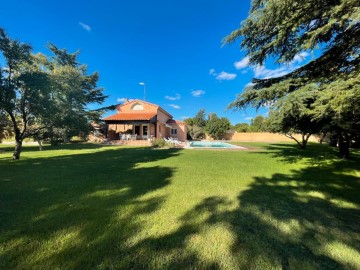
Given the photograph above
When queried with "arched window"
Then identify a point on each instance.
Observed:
(137, 107)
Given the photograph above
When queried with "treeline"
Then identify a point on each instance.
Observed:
(257, 124)
(202, 124)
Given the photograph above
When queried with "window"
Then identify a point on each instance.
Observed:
(137, 107)
(173, 131)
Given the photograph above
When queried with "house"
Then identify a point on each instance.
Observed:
(141, 120)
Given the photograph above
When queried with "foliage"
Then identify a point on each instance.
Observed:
(45, 97)
(259, 124)
(242, 127)
(216, 127)
(196, 125)
(4, 123)
(284, 29)
(158, 143)
(200, 118)
(293, 116)
(87, 206)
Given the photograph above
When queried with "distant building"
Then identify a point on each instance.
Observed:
(141, 120)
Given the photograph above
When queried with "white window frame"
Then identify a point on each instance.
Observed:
(172, 131)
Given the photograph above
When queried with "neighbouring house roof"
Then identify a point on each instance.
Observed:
(173, 122)
(130, 116)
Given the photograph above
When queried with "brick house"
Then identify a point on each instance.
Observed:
(141, 120)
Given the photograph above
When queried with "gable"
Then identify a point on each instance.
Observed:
(137, 105)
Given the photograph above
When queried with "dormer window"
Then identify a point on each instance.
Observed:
(137, 107)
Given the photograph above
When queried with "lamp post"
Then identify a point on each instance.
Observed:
(143, 84)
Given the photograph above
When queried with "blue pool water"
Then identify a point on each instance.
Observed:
(212, 145)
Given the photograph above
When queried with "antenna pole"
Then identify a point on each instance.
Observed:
(144, 92)
(143, 84)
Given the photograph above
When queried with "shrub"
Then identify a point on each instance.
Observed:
(161, 143)
(158, 143)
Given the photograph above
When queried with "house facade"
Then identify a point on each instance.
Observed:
(141, 120)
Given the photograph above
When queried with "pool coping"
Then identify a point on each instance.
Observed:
(235, 147)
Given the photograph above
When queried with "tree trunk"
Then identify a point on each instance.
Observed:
(17, 151)
(322, 137)
(344, 145)
(304, 140)
(40, 144)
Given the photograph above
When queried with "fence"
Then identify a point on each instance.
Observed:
(263, 137)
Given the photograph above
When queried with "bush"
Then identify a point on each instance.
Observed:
(161, 143)
(158, 143)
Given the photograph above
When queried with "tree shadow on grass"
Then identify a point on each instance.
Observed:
(86, 212)
(78, 212)
(314, 154)
(64, 146)
(309, 219)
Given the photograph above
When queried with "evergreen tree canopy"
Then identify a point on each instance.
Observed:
(281, 29)
(43, 96)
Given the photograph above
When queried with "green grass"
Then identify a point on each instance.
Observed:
(102, 207)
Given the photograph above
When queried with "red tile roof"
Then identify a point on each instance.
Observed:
(130, 116)
(142, 101)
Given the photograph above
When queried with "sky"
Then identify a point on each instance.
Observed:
(174, 47)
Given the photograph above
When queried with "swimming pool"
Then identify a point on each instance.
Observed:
(218, 145)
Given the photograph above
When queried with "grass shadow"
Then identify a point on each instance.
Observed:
(93, 203)
(309, 219)
(315, 153)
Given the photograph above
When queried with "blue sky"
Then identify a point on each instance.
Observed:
(173, 46)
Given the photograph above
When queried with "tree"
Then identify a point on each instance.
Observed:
(259, 124)
(196, 125)
(4, 122)
(293, 116)
(216, 127)
(242, 127)
(23, 92)
(75, 89)
(40, 94)
(284, 29)
(200, 118)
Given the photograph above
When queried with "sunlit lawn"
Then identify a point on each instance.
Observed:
(101, 207)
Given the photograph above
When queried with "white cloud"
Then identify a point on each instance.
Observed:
(197, 93)
(242, 63)
(86, 27)
(224, 76)
(174, 106)
(184, 117)
(249, 84)
(249, 118)
(300, 57)
(176, 97)
(121, 100)
(268, 104)
(264, 73)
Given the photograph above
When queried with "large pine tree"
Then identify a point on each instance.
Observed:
(42, 95)
(281, 29)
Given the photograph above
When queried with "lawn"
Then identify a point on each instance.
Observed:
(104, 207)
